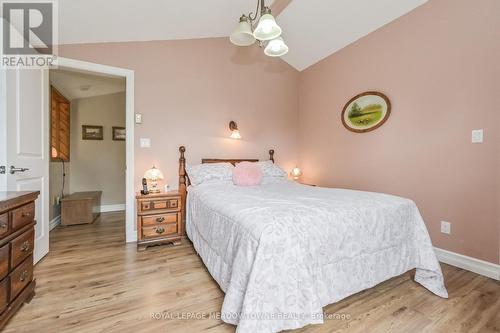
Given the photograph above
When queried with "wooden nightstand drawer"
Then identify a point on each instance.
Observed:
(150, 220)
(160, 204)
(161, 230)
(174, 203)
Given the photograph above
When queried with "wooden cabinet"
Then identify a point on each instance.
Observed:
(80, 208)
(159, 219)
(17, 232)
(60, 126)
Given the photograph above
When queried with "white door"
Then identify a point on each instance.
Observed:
(27, 143)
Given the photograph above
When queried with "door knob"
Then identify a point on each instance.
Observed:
(13, 169)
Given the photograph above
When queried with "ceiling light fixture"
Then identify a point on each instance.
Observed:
(267, 32)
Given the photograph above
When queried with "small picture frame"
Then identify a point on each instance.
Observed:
(92, 132)
(119, 133)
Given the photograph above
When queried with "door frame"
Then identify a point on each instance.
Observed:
(3, 127)
(128, 74)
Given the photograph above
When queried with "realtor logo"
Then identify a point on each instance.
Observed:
(28, 36)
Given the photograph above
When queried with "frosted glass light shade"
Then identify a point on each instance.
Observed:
(153, 174)
(276, 48)
(267, 28)
(242, 35)
(235, 134)
(296, 173)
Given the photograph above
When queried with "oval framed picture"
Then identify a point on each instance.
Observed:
(366, 112)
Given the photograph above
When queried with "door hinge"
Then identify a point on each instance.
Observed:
(2, 169)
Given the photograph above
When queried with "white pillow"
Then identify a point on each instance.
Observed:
(205, 172)
(269, 169)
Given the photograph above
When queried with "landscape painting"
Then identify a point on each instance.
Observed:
(366, 112)
(92, 132)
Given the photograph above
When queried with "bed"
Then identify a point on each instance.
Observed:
(281, 251)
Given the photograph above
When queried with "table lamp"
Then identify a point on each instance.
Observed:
(296, 173)
(153, 175)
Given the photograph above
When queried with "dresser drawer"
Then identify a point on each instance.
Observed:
(160, 204)
(173, 203)
(4, 294)
(21, 277)
(22, 247)
(163, 230)
(4, 261)
(151, 220)
(23, 215)
(4, 224)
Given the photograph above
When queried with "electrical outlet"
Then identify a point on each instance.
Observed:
(445, 227)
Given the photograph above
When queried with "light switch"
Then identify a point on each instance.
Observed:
(138, 118)
(477, 136)
(145, 142)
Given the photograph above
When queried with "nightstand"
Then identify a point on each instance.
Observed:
(159, 219)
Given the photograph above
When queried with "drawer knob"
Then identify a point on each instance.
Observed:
(24, 276)
(160, 230)
(3, 225)
(160, 219)
(25, 246)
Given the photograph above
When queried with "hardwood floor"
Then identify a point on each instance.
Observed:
(92, 282)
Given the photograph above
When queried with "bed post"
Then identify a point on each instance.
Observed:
(271, 155)
(182, 183)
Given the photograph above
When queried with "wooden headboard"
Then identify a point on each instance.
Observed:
(184, 179)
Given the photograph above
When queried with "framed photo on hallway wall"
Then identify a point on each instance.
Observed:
(92, 132)
(119, 133)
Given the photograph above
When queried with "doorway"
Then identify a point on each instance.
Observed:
(88, 68)
(24, 134)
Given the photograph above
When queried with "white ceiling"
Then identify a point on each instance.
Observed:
(313, 29)
(70, 84)
(86, 21)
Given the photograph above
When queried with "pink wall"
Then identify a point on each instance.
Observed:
(440, 66)
(189, 90)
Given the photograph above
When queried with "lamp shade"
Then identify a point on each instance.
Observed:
(296, 173)
(267, 28)
(276, 48)
(235, 134)
(153, 174)
(242, 35)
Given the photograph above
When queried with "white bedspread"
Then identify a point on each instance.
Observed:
(282, 251)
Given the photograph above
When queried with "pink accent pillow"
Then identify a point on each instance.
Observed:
(247, 174)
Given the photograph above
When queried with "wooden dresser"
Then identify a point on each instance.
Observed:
(159, 219)
(17, 232)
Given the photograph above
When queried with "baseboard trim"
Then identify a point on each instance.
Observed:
(112, 208)
(478, 266)
(54, 222)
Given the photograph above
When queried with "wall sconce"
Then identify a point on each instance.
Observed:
(235, 133)
(296, 173)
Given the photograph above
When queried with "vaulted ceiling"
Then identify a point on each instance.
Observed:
(313, 29)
